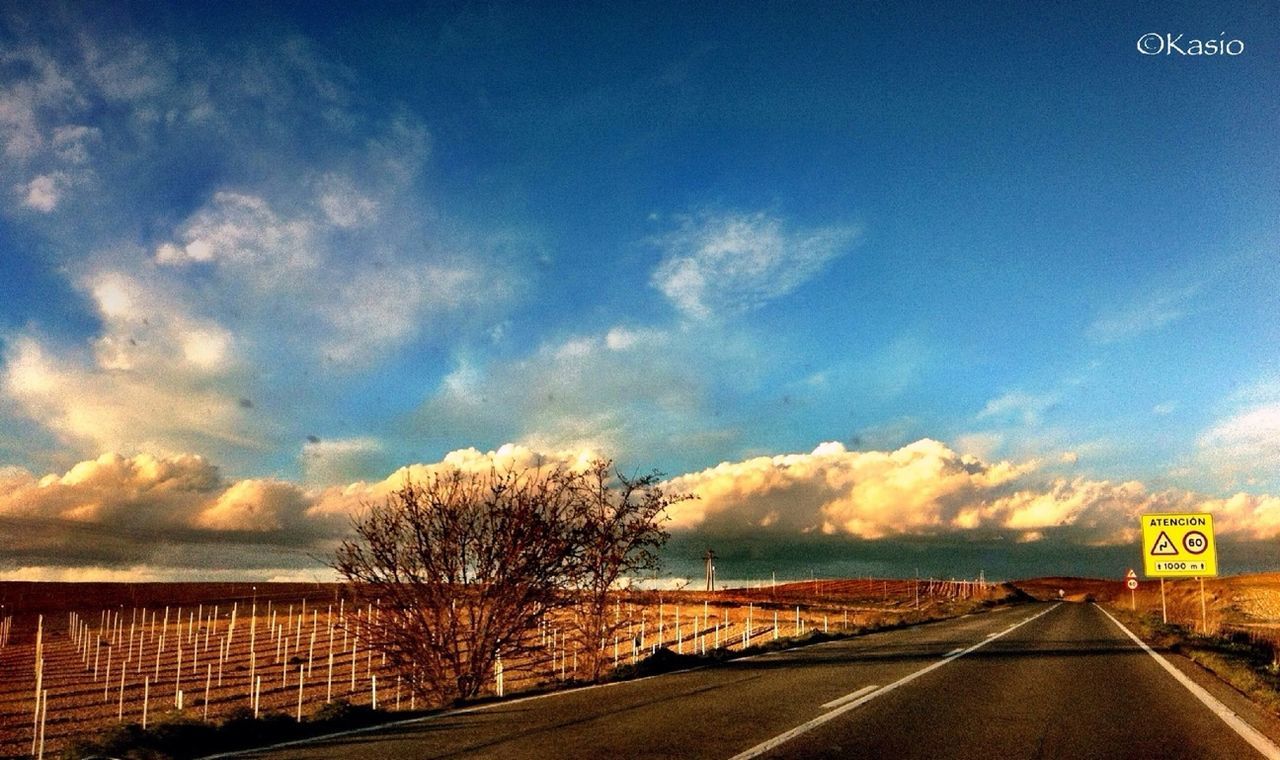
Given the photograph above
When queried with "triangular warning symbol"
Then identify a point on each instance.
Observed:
(1163, 545)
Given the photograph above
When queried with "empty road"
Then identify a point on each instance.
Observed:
(1031, 681)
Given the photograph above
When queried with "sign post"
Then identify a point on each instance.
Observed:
(1179, 546)
(1131, 582)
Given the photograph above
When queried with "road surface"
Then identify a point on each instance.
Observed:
(1030, 681)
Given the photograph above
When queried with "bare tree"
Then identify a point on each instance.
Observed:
(464, 564)
(620, 520)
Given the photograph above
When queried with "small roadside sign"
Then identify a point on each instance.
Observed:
(1131, 583)
(1178, 546)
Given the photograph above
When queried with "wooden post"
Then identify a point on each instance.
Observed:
(328, 690)
(146, 699)
(355, 646)
(1204, 613)
(300, 682)
(208, 681)
(44, 717)
(35, 721)
(177, 673)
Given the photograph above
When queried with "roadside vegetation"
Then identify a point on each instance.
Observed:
(177, 737)
(1247, 661)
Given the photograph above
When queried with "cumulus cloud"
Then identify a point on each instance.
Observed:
(721, 265)
(928, 489)
(344, 500)
(143, 490)
(178, 513)
(175, 510)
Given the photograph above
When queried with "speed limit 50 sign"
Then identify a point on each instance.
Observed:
(1178, 546)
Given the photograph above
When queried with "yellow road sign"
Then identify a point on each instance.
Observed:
(1179, 546)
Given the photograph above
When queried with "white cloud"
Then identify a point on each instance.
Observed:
(732, 263)
(1141, 317)
(1026, 407)
(628, 391)
(920, 488)
(343, 205)
(43, 192)
(298, 252)
(353, 309)
(342, 501)
(1245, 445)
(71, 142)
(46, 88)
(242, 230)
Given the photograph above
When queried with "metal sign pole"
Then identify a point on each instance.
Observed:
(1164, 610)
(1133, 605)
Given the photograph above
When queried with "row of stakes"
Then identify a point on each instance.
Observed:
(152, 627)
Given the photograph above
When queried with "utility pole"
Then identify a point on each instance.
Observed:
(710, 558)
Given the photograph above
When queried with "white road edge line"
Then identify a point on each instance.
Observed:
(1253, 736)
(848, 697)
(954, 652)
(787, 736)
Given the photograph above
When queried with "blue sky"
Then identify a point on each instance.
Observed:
(308, 244)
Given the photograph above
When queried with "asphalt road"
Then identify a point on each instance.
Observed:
(1032, 681)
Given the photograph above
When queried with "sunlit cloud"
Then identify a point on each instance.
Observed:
(112, 404)
(116, 512)
(928, 489)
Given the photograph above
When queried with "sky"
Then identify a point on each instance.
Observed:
(891, 288)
